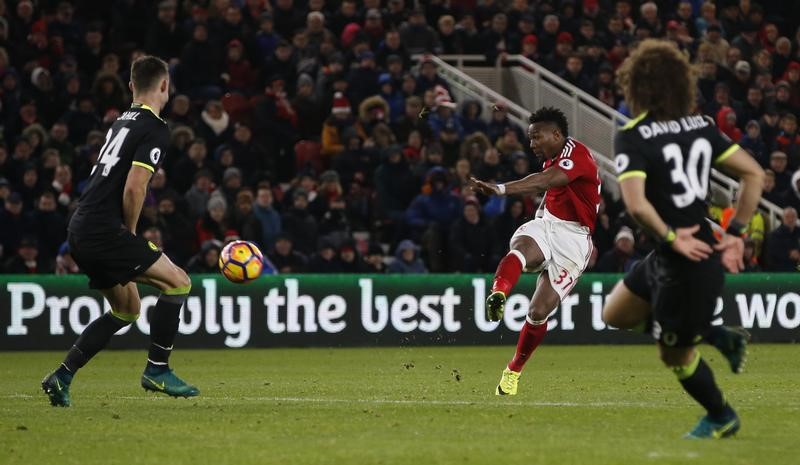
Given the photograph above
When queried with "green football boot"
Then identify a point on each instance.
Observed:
(168, 383)
(495, 305)
(732, 343)
(709, 429)
(57, 390)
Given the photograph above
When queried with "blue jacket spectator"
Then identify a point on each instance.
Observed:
(406, 259)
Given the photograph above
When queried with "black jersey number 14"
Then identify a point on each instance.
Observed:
(109, 153)
(691, 177)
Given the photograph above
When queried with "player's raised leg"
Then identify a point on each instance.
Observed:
(545, 300)
(174, 285)
(125, 304)
(524, 253)
(698, 381)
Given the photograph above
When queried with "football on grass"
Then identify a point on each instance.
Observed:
(241, 262)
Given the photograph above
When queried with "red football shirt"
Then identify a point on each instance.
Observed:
(580, 199)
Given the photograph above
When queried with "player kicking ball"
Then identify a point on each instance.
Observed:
(663, 161)
(102, 239)
(558, 242)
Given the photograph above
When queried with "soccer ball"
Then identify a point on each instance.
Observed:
(241, 262)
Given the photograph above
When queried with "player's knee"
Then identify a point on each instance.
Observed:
(676, 357)
(611, 317)
(538, 312)
(128, 309)
(181, 283)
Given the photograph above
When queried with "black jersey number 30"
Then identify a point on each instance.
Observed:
(691, 177)
(109, 153)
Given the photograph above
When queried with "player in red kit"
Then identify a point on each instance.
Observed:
(558, 242)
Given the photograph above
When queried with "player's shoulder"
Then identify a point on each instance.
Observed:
(573, 147)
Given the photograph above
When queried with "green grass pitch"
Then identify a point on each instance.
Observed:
(577, 405)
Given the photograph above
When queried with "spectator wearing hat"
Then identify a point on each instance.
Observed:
(27, 259)
(325, 260)
(530, 48)
(469, 244)
(334, 126)
(621, 258)
(779, 164)
(444, 114)
(299, 223)
(164, 38)
(741, 81)
(407, 260)
(285, 258)
(207, 259)
(214, 223)
(726, 122)
(747, 41)
(371, 112)
(499, 123)
(556, 62)
(350, 260)
(417, 36)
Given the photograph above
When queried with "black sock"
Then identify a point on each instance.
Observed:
(93, 339)
(698, 380)
(164, 321)
(714, 334)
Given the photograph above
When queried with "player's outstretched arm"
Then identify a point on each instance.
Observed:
(531, 184)
(133, 196)
(681, 240)
(751, 183)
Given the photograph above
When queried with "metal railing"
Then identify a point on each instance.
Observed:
(524, 84)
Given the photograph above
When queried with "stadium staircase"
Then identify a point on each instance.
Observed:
(520, 85)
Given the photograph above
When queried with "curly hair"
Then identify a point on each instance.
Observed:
(658, 79)
(551, 115)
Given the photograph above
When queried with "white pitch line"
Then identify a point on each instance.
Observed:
(468, 403)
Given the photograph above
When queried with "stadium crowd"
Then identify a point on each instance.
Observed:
(306, 128)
